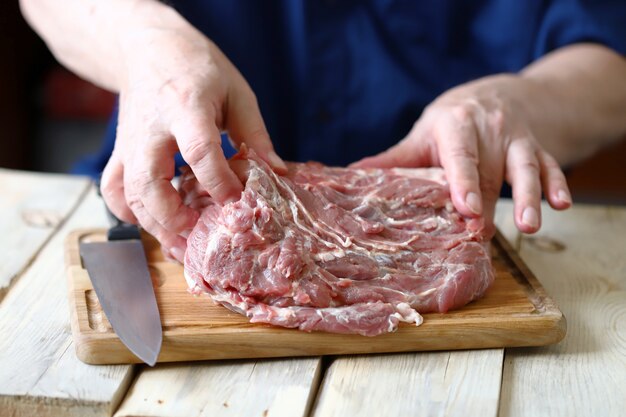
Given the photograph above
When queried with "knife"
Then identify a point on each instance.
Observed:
(119, 274)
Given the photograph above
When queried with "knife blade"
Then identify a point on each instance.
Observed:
(120, 276)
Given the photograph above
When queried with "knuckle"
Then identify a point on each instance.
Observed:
(135, 205)
(530, 165)
(217, 183)
(185, 96)
(106, 189)
(258, 136)
(169, 221)
(524, 143)
(250, 96)
(167, 239)
(136, 183)
(170, 217)
(528, 196)
(135, 188)
(108, 193)
(461, 153)
(462, 113)
(197, 150)
(181, 93)
(496, 120)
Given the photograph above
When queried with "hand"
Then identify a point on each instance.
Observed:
(481, 133)
(179, 91)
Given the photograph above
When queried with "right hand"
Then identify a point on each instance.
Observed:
(178, 92)
(481, 133)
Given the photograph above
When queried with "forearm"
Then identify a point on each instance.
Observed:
(88, 37)
(579, 100)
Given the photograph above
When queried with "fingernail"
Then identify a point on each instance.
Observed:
(473, 203)
(530, 217)
(276, 161)
(178, 253)
(564, 197)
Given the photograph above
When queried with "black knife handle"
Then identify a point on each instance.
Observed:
(119, 230)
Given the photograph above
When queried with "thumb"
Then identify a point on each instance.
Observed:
(245, 124)
(200, 145)
(411, 152)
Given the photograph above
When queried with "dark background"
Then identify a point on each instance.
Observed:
(49, 118)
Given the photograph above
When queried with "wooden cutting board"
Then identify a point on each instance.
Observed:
(516, 311)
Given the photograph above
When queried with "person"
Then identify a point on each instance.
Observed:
(489, 90)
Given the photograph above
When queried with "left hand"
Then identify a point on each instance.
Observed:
(482, 133)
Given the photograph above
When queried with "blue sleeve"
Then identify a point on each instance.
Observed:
(574, 21)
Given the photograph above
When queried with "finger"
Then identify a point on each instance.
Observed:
(241, 168)
(554, 183)
(491, 170)
(245, 125)
(489, 210)
(457, 144)
(523, 173)
(200, 145)
(170, 242)
(412, 151)
(150, 177)
(112, 189)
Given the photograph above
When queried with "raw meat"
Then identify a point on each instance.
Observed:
(336, 249)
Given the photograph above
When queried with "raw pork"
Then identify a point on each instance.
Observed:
(336, 249)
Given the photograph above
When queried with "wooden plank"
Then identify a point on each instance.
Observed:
(41, 374)
(429, 384)
(514, 312)
(268, 388)
(31, 209)
(580, 257)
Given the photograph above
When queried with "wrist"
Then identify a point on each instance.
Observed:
(147, 27)
(553, 126)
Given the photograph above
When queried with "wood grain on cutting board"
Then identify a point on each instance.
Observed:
(514, 312)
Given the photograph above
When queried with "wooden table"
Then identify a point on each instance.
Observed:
(579, 256)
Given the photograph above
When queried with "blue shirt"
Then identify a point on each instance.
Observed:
(338, 80)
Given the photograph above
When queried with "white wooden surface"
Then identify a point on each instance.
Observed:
(39, 372)
(267, 388)
(580, 258)
(465, 383)
(31, 208)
